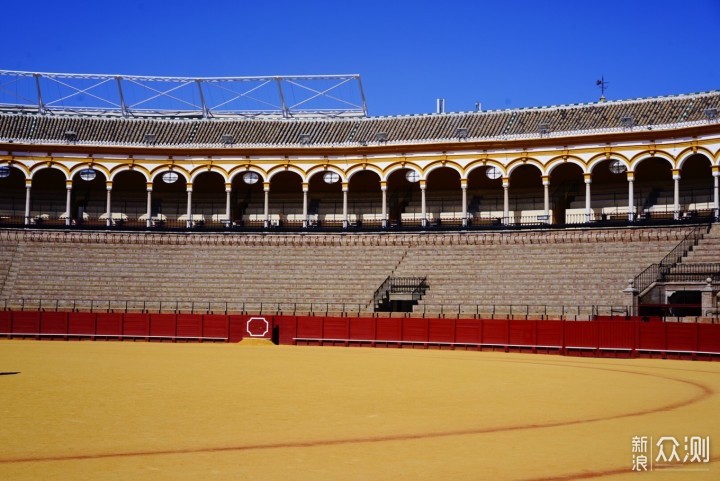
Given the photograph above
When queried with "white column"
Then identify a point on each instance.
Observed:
(588, 198)
(305, 206)
(68, 200)
(383, 189)
(631, 197)
(716, 195)
(546, 197)
(149, 206)
(346, 222)
(28, 186)
(463, 186)
(228, 193)
(108, 203)
(676, 206)
(506, 200)
(423, 212)
(189, 205)
(266, 213)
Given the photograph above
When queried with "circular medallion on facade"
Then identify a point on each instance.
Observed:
(412, 176)
(250, 178)
(170, 177)
(493, 173)
(331, 177)
(88, 174)
(617, 167)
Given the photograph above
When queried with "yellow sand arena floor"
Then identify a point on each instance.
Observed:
(143, 411)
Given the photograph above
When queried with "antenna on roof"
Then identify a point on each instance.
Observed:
(603, 86)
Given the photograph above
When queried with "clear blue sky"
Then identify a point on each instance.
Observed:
(506, 54)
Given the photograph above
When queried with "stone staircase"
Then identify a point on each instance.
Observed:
(707, 250)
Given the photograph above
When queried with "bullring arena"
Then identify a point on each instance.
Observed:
(526, 294)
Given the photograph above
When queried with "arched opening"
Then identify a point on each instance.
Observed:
(365, 198)
(169, 198)
(485, 195)
(654, 189)
(403, 197)
(526, 195)
(12, 196)
(247, 201)
(325, 198)
(286, 199)
(209, 198)
(128, 199)
(89, 196)
(48, 196)
(443, 197)
(609, 194)
(697, 186)
(567, 194)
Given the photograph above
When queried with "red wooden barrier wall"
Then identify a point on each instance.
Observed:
(54, 323)
(598, 338)
(189, 325)
(82, 323)
(109, 324)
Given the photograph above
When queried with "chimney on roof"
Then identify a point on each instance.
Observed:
(440, 106)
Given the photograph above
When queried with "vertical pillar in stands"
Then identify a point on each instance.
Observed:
(631, 195)
(266, 208)
(676, 202)
(506, 199)
(68, 201)
(148, 212)
(716, 194)
(546, 197)
(707, 298)
(28, 188)
(588, 202)
(189, 205)
(345, 205)
(383, 189)
(305, 188)
(423, 211)
(228, 192)
(108, 202)
(463, 186)
(630, 294)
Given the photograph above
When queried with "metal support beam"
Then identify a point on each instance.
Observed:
(205, 110)
(123, 106)
(285, 112)
(41, 105)
(362, 96)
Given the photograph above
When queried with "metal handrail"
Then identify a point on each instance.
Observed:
(456, 224)
(655, 272)
(382, 291)
(412, 285)
(317, 308)
(407, 284)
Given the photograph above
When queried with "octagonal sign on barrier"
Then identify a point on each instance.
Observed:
(257, 327)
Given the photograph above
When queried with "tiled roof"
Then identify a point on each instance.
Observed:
(662, 112)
